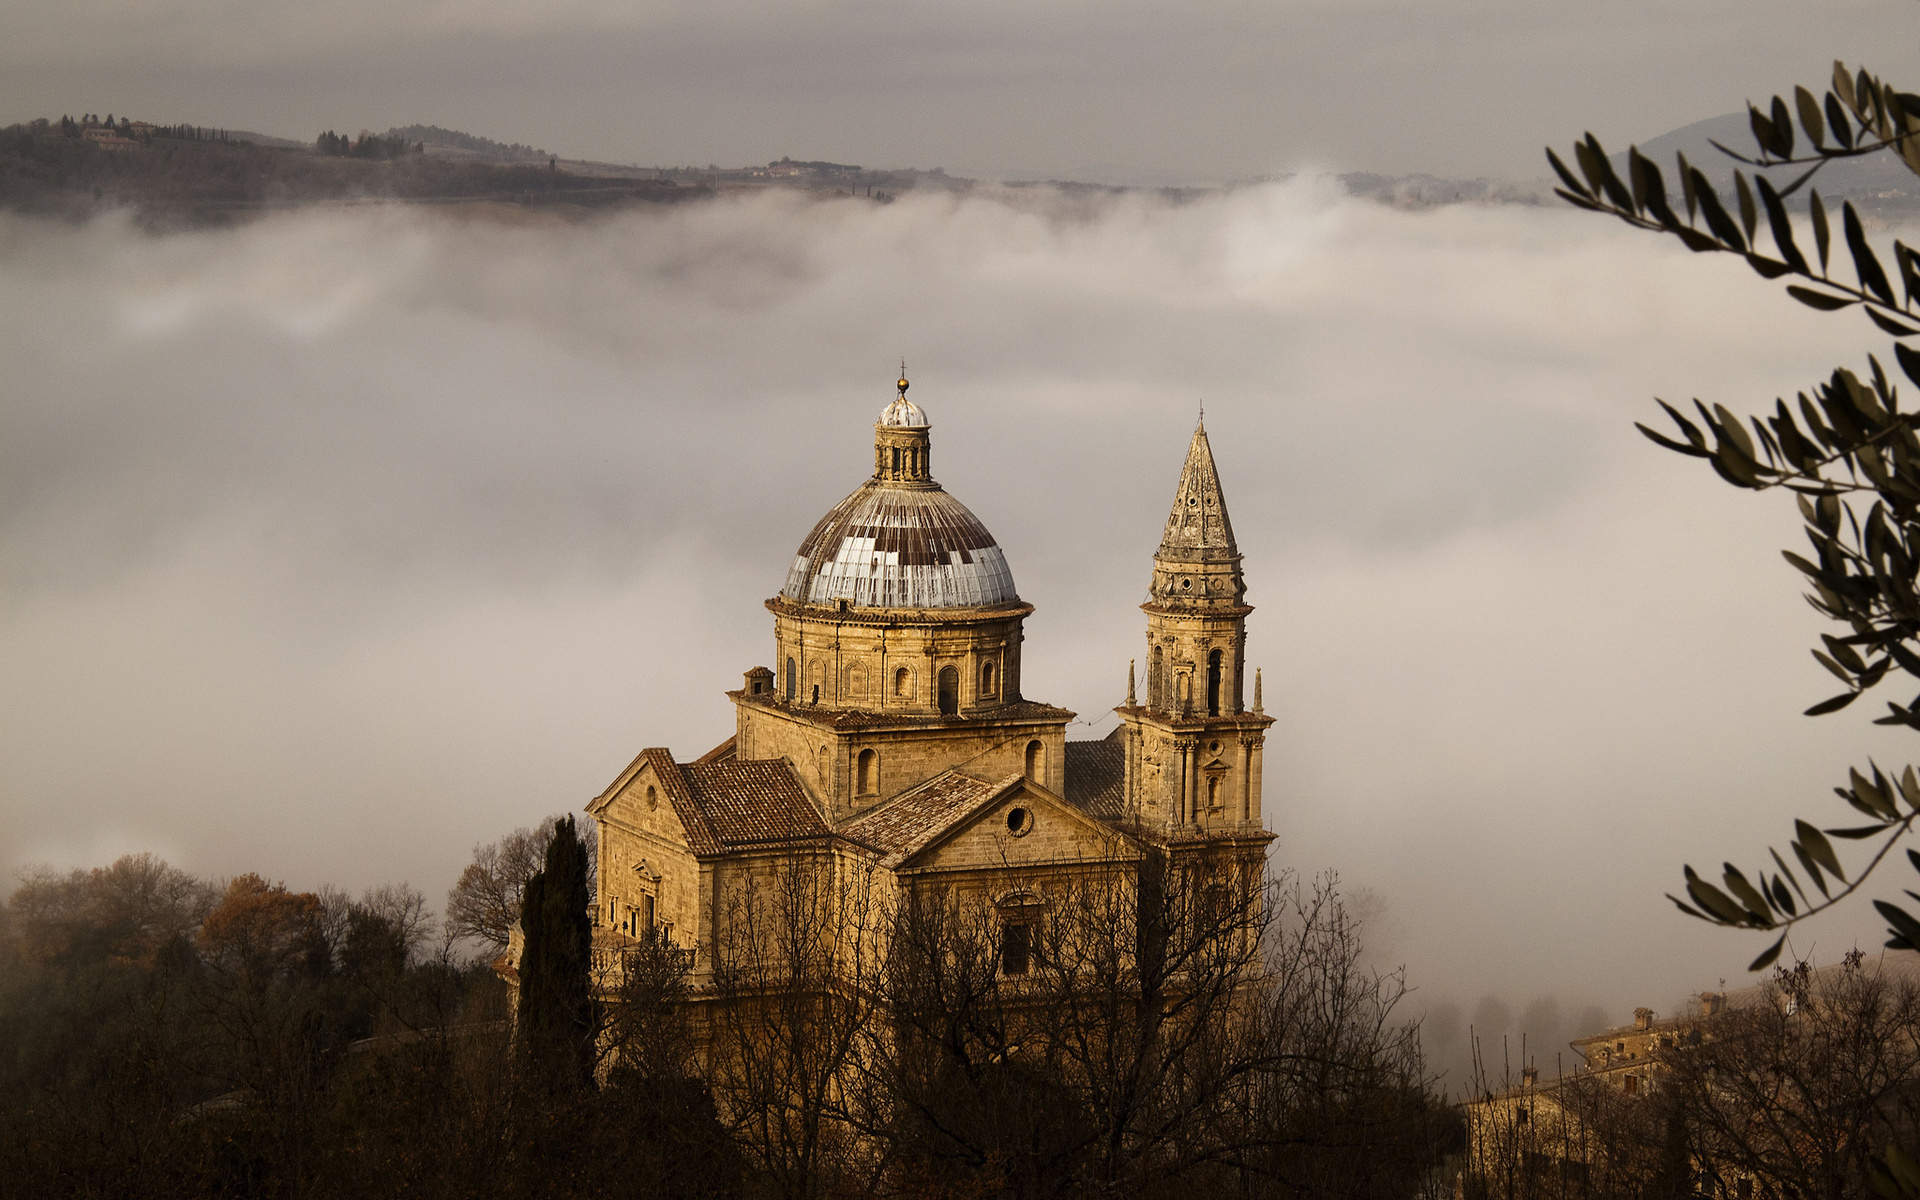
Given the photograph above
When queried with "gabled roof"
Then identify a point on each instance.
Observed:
(908, 823)
(725, 803)
(925, 816)
(1096, 777)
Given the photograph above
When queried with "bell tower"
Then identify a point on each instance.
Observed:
(1193, 748)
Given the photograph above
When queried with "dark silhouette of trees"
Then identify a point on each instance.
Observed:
(1135, 1029)
(1797, 1090)
(485, 904)
(367, 145)
(1190, 1032)
(555, 1022)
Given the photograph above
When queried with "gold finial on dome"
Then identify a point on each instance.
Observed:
(902, 385)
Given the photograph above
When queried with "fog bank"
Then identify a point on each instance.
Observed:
(339, 542)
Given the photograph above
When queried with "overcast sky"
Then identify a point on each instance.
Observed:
(1201, 89)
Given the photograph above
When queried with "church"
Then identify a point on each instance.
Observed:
(893, 739)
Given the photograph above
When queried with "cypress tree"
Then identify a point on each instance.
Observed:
(556, 1002)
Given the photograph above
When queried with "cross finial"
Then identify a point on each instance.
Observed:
(902, 385)
(1203, 410)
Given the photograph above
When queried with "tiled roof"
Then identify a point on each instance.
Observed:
(1096, 777)
(701, 838)
(892, 547)
(908, 823)
(749, 801)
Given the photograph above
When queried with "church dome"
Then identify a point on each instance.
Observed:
(889, 547)
(904, 413)
(900, 541)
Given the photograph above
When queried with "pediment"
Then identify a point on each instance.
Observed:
(641, 800)
(1019, 824)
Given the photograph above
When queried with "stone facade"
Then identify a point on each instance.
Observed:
(891, 740)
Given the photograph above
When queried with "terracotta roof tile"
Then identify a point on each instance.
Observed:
(749, 801)
(905, 824)
(701, 838)
(1096, 777)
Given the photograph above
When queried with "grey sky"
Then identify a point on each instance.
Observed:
(340, 542)
(1207, 89)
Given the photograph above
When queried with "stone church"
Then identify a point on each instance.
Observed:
(893, 733)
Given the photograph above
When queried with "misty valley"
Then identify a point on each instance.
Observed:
(1278, 777)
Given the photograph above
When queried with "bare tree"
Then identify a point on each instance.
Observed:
(125, 911)
(794, 967)
(1803, 1091)
(1153, 1028)
(484, 905)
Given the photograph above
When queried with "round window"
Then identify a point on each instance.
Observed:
(1186, 585)
(1019, 822)
(1214, 746)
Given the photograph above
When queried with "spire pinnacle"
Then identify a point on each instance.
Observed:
(1258, 708)
(1130, 703)
(1198, 529)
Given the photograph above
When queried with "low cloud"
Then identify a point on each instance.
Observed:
(344, 540)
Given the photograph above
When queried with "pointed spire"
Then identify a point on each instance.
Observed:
(1130, 703)
(1198, 529)
(1258, 708)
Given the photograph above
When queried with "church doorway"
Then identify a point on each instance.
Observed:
(949, 692)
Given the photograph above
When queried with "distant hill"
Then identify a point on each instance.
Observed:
(1875, 181)
(266, 139)
(480, 147)
(177, 181)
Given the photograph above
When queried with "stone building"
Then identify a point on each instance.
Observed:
(892, 738)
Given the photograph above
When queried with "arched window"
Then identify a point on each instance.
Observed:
(949, 691)
(1213, 683)
(857, 681)
(1156, 680)
(1036, 760)
(903, 684)
(869, 773)
(986, 679)
(793, 678)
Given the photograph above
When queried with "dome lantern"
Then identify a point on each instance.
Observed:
(900, 540)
